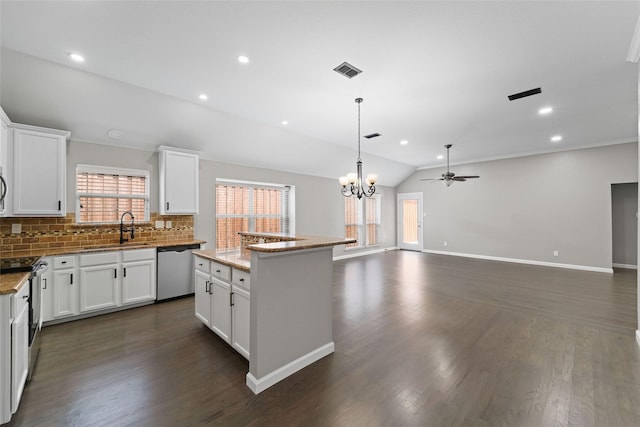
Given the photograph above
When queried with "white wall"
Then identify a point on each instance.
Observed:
(527, 207)
(319, 204)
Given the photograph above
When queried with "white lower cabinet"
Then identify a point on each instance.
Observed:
(98, 281)
(93, 283)
(138, 276)
(222, 302)
(19, 346)
(203, 297)
(64, 293)
(240, 321)
(14, 350)
(221, 308)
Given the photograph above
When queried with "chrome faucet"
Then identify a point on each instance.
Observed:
(123, 230)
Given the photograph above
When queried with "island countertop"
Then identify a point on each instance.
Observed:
(300, 243)
(232, 260)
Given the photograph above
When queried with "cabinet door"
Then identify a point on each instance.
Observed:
(138, 281)
(39, 173)
(98, 287)
(240, 321)
(4, 141)
(221, 308)
(46, 283)
(203, 297)
(178, 183)
(19, 356)
(64, 293)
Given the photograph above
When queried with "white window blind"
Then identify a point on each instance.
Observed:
(103, 194)
(249, 207)
(362, 221)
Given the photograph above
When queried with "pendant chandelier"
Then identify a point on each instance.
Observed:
(352, 185)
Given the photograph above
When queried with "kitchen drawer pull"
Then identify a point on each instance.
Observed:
(25, 296)
(201, 264)
(115, 273)
(71, 279)
(167, 205)
(125, 272)
(242, 279)
(59, 205)
(231, 299)
(63, 262)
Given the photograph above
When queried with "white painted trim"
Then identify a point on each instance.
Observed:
(259, 385)
(176, 149)
(524, 261)
(629, 266)
(634, 49)
(638, 336)
(359, 254)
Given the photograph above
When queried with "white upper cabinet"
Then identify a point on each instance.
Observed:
(178, 182)
(39, 171)
(4, 174)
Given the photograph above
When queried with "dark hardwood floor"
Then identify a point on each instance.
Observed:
(421, 340)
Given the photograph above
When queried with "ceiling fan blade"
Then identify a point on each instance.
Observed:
(432, 179)
(469, 176)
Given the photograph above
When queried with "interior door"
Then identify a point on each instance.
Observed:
(410, 221)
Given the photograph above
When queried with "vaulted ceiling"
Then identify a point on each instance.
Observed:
(434, 73)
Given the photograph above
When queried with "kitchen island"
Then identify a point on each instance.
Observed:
(290, 308)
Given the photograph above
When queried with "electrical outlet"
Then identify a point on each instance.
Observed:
(159, 224)
(167, 224)
(555, 253)
(16, 228)
(445, 243)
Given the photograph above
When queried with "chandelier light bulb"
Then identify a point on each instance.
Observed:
(352, 177)
(343, 181)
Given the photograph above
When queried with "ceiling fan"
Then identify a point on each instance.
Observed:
(448, 177)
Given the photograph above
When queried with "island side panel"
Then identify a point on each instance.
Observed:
(291, 307)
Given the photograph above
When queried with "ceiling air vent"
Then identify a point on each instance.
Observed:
(372, 135)
(347, 70)
(525, 94)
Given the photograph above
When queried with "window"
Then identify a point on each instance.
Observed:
(352, 220)
(250, 207)
(354, 212)
(103, 194)
(373, 220)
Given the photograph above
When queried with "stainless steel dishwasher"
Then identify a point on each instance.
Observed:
(175, 271)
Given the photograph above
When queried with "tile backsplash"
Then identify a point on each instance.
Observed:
(55, 234)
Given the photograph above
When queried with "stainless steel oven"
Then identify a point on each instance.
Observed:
(36, 267)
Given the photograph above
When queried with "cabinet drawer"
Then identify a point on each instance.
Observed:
(20, 300)
(241, 279)
(138, 254)
(201, 264)
(221, 271)
(63, 262)
(99, 258)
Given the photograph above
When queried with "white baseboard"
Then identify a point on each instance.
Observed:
(259, 385)
(638, 336)
(523, 261)
(358, 254)
(629, 266)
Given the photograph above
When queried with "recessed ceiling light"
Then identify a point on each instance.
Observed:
(115, 134)
(203, 96)
(76, 57)
(556, 138)
(545, 110)
(243, 59)
(404, 142)
(284, 122)
(440, 157)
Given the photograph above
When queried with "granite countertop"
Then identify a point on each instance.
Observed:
(11, 283)
(232, 260)
(300, 243)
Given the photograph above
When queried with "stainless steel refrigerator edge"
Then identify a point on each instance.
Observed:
(175, 271)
